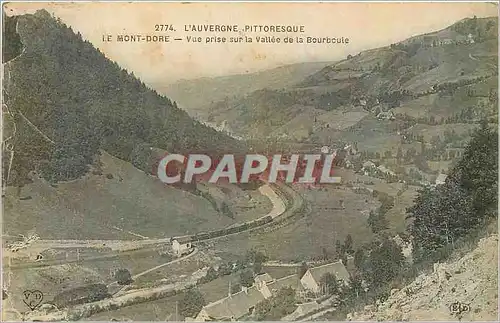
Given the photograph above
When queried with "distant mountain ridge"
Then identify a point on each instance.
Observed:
(195, 94)
(399, 77)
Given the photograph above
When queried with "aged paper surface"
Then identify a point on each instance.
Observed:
(249, 161)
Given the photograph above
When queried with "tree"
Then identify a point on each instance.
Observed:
(325, 254)
(439, 217)
(225, 269)
(235, 288)
(477, 171)
(399, 155)
(256, 259)
(302, 269)
(329, 284)
(257, 268)
(191, 303)
(224, 208)
(123, 276)
(246, 278)
(359, 257)
(348, 245)
(377, 221)
(355, 287)
(211, 275)
(384, 263)
(276, 307)
(339, 249)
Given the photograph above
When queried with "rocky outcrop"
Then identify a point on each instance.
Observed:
(465, 289)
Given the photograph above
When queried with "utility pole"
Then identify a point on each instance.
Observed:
(10, 271)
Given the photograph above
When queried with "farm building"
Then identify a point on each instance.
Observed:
(386, 115)
(312, 278)
(263, 278)
(385, 170)
(232, 307)
(182, 246)
(238, 305)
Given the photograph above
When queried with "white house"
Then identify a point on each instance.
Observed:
(386, 170)
(182, 246)
(263, 278)
(232, 307)
(387, 115)
(470, 39)
(441, 179)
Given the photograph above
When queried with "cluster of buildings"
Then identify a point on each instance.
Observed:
(238, 305)
(370, 167)
(459, 39)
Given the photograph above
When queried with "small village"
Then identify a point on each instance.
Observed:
(310, 290)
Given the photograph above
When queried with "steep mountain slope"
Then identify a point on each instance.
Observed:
(441, 73)
(68, 101)
(470, 282)
(121, 203)
(196, 94)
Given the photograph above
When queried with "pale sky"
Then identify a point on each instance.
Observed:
(367, 25)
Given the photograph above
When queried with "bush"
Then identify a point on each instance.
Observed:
(246, 278)
(192, 302)
(81, 295)
(275, 307)
(123, 277)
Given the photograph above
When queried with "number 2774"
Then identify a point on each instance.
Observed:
(164, 28)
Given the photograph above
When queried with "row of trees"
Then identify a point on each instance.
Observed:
(376, 220)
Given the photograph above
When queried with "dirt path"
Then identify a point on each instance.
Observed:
(160, 266)
(472, 57)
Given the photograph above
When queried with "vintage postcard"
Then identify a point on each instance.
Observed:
(250, 161)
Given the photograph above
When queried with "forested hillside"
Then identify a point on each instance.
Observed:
(467, 200)
(68, 101)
